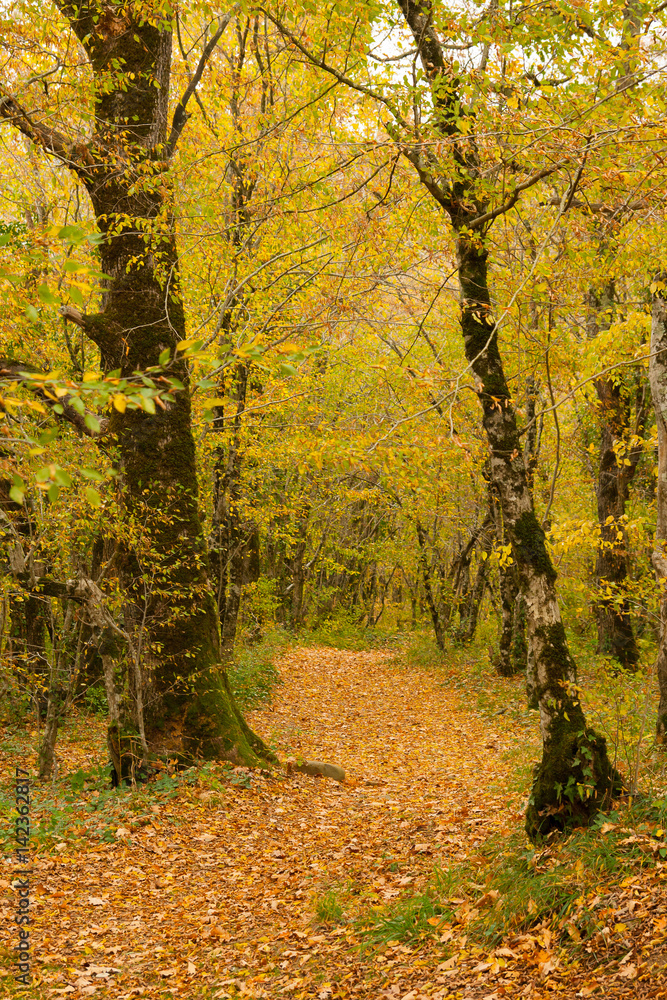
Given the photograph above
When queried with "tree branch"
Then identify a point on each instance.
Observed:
(17, 371)
(180, 114)
(514, 197)
(332, 71)
(75, 156)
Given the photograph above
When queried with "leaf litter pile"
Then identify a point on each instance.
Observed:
(409, 880)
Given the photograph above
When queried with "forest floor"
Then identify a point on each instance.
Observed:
(224, 883)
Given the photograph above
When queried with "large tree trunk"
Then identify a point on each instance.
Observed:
(183, 702)
(658, 379)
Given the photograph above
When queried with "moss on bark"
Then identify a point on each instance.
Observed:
(573, 781)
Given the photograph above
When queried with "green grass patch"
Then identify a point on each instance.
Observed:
(329, 908)
(571, 883)
(254, 676)
(344, 628)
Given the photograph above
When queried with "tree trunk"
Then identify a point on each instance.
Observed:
(47, 748)
(438, 626)
(471, 607)
(188, 709)
(658, 380)
(575, 776)
(612, 609)
(512, 655)
(507, 663)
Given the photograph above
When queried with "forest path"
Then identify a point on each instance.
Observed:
(214, 893)
(421, 769)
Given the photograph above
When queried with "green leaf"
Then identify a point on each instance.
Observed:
(165, 356)
(63, 478)
(53, 492)
(92, 496)
(73, 234)
(47, 296)
(92, 423)
(31, 314)
(92, 474)
(16, 493)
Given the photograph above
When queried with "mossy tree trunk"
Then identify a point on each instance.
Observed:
(658, 381)
(175, 692)
(575, 775)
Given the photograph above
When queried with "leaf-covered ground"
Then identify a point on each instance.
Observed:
(224, 883)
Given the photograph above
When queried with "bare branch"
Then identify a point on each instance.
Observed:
(180, 114)
(514, 197)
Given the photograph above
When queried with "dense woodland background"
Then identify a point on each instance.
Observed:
(238, 252)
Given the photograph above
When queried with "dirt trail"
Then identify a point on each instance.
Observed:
(217, 899)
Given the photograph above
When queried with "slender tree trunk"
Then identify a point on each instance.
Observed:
(512, 646)
(298, 577)
(658, 381)
(507, 663)
(575, 775)
(438, 627)
(47, 748)
(227, 545)
(473, 603)
(612, 609)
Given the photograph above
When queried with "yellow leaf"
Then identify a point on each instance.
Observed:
(120, 402)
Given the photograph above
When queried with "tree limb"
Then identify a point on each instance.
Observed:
(75, 156)
(332, 71)
(180, 114)
(17, 371)
(514, 197)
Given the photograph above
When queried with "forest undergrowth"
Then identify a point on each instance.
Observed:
(412, 879)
